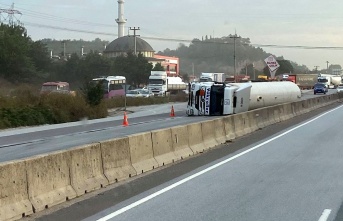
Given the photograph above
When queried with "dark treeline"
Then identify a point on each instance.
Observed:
(23, 60)
(68, 47)
(78, 70)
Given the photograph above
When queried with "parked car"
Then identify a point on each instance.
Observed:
(319, 88)
(339, 88)
(147, 93)
(133, 93)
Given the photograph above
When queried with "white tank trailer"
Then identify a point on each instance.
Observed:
(265, 94)
(212, 98)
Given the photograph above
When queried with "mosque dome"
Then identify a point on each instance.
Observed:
(126, 44)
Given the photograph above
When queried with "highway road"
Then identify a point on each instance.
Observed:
(26, 142)
(287, 171)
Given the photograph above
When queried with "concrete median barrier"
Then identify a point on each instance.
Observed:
(219, 131)
(86, 169)
(300, 107)
(288, 111)
(277, 113)
(229, 126)
(282, 112)
(208, 134)
(313, 103)
(180, 140)
(271, 115)
(196, 142)
(142, 155)
(117, 159)
(49, 181)
(14, 199)
(274, 114)
(305, 107)
(252, 117)
(162, 146)
(240, 125)
(262, 118)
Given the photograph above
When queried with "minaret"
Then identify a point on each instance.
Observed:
(121, 20)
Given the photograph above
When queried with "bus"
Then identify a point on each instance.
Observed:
(113, 85)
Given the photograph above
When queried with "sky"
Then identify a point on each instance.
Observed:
(314, 23)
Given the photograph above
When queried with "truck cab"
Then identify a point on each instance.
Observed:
(158, 83)
(213, 99)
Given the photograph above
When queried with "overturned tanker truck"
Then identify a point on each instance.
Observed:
(214, 98)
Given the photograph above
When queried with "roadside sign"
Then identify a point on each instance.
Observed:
(272, 64)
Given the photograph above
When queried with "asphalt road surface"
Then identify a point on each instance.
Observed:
(288, 171)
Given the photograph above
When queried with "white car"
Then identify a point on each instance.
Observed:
(147, 93)
(133, 93)
(339, 88)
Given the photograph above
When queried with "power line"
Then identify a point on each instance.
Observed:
(190, 41)
(31, 13)
(75, 21)
(68, 29)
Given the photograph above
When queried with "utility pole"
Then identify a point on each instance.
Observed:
(193, 71)
(316, 67)
(64, 49)
(327, 67)
(10, 15)
(134, 29)
(234, 54)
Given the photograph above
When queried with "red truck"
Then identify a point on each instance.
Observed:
(56, 87)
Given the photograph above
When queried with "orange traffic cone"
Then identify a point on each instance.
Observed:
(125, 121)
(172, 113)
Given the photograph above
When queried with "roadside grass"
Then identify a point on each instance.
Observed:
(24, 106)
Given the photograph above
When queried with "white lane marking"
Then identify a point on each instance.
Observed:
(325, 215)
(166, 189)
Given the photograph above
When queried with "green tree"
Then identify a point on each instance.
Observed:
(93, 93)
(136, 69)
(95, 65)
(39, 54)
(21, 59)
(158, 67)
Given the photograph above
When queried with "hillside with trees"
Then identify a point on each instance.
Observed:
(217, 55)
(59, 47)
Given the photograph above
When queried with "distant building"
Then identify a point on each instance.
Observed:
(335, 69)
(170, 64)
